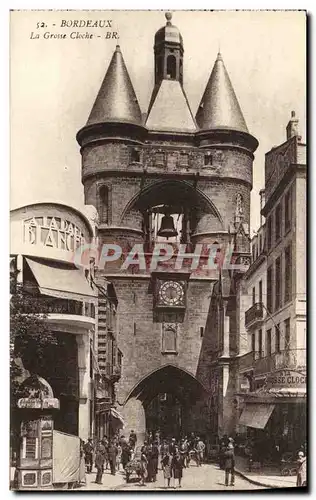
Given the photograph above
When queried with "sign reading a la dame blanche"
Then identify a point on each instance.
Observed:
(53, 232)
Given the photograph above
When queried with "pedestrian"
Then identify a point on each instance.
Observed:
(222, 448)
(166, 468)
(123, 441)
(132, 439)
(164, 448)
(112, 453)
(118, 456)
(99, 462)
(177, 467)
(229, 464)
(88, 450)
(144, 447)
(184, 451)
(82, 468)
(150, 462)
(126, 454)
(105, 443)
(143, 468)
(301, 470)
(172, 446)
(199, 449)
(157, 437)
(155, 458)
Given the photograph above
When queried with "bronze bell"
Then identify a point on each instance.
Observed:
(167, 228)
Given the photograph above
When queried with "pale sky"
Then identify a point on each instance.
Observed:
(54, 83)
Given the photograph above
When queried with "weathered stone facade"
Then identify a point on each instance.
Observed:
(204, 172)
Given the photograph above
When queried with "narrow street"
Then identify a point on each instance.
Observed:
(207, 477)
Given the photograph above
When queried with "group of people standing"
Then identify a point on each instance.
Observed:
(175, 456)
(108, 453)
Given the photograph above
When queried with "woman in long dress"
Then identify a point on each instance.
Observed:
(143, 468)
(177, 467)
(166, 468)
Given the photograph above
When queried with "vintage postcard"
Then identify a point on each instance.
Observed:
(158, 250)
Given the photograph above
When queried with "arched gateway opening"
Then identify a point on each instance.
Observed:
(173, 400)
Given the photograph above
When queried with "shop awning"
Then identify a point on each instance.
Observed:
(117, 415)
(256, 415)
(61, 282)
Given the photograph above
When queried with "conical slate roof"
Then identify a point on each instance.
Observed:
(219, 107)
(116, 100)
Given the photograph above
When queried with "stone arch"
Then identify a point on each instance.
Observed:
(168, 370)
(162, 190)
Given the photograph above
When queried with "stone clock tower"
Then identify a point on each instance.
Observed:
(170, 177)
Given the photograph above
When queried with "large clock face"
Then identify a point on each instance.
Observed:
(171, 293)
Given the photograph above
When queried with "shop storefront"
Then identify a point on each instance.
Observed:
(273, 418)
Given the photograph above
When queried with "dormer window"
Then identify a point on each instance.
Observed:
(135, 155)
(208, 159)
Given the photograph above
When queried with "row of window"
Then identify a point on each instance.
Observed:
(257, 344)
(275, 228)
(183, 159)
(279, 284)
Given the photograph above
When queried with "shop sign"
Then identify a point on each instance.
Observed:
(286, 379)
(52, 232)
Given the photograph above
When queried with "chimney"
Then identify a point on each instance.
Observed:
(262, 195)
(292, 127)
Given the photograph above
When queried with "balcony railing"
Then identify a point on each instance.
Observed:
(247, 361)
(50, 305)
(290, 359)
(254, 314)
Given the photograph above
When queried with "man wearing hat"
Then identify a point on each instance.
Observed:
(172, 446)
(88, 454)
(229, 464)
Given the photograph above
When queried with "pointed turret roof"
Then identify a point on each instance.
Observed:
(116, 100)
(219, 107)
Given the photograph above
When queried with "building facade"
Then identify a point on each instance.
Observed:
(275, 287)
(47, 261)
(170, 178)
(44, 239)
(109, 362)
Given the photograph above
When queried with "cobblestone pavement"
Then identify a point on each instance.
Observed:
(207, 477)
